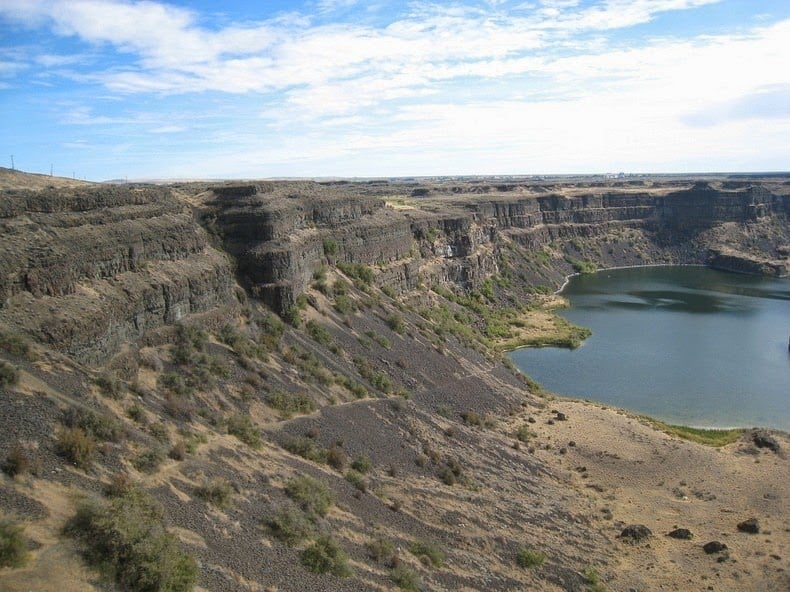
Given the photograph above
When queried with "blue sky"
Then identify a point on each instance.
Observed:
(105, 89)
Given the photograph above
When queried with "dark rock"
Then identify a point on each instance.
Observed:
(762, 439)
(572, 443)
(531, 419)
(680, 533)
(561, 416)
(752, 526)
(635, 533)
(714, 547)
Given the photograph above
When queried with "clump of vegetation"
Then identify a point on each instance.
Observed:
(380, 549)
(189, 341)
(318, 333)
(427, 553)
(362, 463)
(337, 458)
(359, 272)
(245, 430)
(326, 556)
(523, 433)
(16, 345)
(357, 480)
(306, 448)
(110, 386)
(528, 559)
(77, 446)
(148, 461)
(218, 492)
(710, 437)
(406, 578)
(17, 462)
(291, 526)
(395, 322)
(9, 375)
(330, 247)
(594, 583)
(13, 549)
(99, 425)
(125, 539)
(289, 404)
(312, 495)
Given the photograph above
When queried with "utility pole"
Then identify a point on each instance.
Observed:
(50, 170)
(12, 162)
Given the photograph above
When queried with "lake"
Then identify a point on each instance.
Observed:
(685, 344)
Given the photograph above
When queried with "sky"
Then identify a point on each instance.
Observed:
(166, 89)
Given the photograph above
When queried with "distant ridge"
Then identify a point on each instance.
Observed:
(16, 179)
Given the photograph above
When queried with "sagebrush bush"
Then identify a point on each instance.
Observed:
(13, 548)
(528, 559)
(406, 578)
(312, 495)
(148, 461)
(77, 446)
(245, 430)
(9, 375)
(125, 539)
(428, 553)
(291, 526)
(326, 556)
(217, 491)
(17, 462)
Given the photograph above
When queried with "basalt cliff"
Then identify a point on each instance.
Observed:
(298, 385)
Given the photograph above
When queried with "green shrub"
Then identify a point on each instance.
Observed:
(110, 386)
(291, 526)
(523, 433)
(9, 375)
(336, 458)
(380, 549)
(125, 539)
(406, 578)
(330, 247)
(77, 446)
(395, 322)
(326, 556)
(13, 548)
(16, 345)
(428, 553)
(17, 462)
(290, 403)
(218, 492)
(312, 495)
(306, 448)
(362, 463)
(245, 430)
(99, 425)
(148, 461)
(528, 559)
(357, 480)
(318, 333)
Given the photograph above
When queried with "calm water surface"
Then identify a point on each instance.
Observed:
(688, 345)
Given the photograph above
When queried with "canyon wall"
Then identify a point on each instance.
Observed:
(89, 269)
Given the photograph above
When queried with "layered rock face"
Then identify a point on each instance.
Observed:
(88, 269)
(280, 233)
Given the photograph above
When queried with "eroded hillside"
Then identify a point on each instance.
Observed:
(296, 385)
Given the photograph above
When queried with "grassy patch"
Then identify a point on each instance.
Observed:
(406, 578)
(13, 549)
(218, 492)
(709, 437)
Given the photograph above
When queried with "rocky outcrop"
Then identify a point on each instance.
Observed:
(89, 269)
(281, 233)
